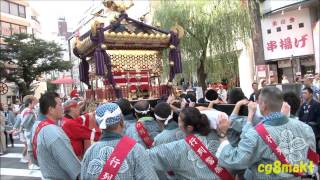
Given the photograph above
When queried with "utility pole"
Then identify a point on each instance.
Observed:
(70, 59)
(69, 47)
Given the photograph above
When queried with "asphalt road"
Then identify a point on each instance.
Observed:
(12, 169)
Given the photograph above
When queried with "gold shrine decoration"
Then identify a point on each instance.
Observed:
(179, 30)
(85, 45)
(134, 60)
(130, 60)
(125, 39)
(116, 6)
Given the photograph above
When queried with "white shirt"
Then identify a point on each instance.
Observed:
(213, 115)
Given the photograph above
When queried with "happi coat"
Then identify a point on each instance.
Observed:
(178, 157)
(129, 120)
(137, 164)
(55, 155)
(237, 126)
(292, 137)
(150, 124)
(171, 133)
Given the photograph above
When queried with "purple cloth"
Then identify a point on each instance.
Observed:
(84, 71)
(102, 59)
(175, 56)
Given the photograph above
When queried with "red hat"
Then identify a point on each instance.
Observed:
(74, 93)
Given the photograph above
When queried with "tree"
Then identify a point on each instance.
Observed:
(33, 57)
(212, 29)
(256, 33)
(52, 87)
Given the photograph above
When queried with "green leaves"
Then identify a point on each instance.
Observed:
(212, 28)
(33, 56)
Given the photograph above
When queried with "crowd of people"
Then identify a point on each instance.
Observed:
(175, 139)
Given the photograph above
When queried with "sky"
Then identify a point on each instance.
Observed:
(50, 10)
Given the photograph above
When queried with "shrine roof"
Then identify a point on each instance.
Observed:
(127, 33)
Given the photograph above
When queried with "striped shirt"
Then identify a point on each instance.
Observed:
(136, 165)
(55, 154)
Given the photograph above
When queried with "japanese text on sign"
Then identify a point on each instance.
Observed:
(288, 34)
(286, 43)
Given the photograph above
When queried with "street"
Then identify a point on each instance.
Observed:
(13, 169)
(155, 89)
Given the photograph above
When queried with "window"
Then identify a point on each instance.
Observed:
(15, 29)
(269, 31)
(289, 27)
(14, 9)
(23, 29)
(278, 29)
(5, 29)
(22, 11)
(301, 25)
(5, 6)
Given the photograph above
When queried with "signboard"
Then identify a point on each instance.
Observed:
(267, 6)
(288, 34)
(261, 71)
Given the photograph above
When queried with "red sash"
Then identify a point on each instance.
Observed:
(313, 156)
(114, 162)
(209, 159)
(144, 135)
(35, 137)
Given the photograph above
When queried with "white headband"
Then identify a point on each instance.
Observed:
(166, 120)
(142, 112)
(108, 114)
(207, 100)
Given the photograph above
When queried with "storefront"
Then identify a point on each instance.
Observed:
(289, 43)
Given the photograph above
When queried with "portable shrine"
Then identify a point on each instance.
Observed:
(126, 56)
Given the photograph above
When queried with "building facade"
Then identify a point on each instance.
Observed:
(290, 32)
(17, 16)
(13, 18)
